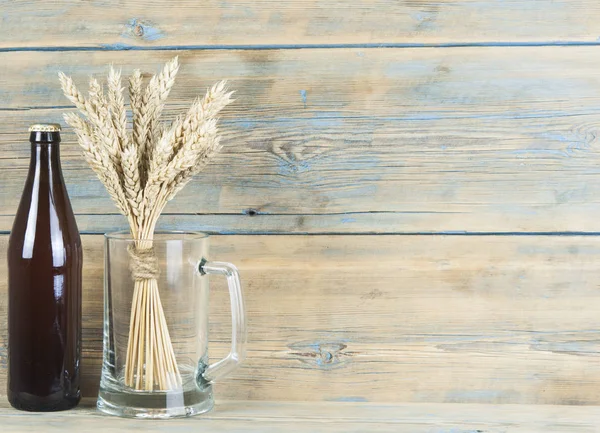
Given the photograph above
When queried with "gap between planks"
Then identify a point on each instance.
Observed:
(127, 47)
(255, 222)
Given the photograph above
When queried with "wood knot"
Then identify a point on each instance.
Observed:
(142, 29)
(138, 30)
(143, 263)
(323, 355)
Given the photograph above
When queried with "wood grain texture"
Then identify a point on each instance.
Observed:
(355, 141)
(286, 417)
(332, 135)
(477, 319)
(245, 22)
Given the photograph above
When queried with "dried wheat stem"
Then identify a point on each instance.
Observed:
(142, 340)
(159, 354)
(133, 336)
(148, 374)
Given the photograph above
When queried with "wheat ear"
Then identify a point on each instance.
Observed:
(99, 161)
(131, 179)
(152, 105)
(74, 95)
(216, 98)
(117, 107)
(105, 131)
(157, 93)
(135, 99)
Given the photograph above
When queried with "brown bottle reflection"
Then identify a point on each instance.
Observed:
(44, 267)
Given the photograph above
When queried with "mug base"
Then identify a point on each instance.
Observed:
(155, 405)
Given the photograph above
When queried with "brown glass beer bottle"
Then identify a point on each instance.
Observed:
(44, 285)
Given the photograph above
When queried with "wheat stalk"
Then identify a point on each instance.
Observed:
(142, 170)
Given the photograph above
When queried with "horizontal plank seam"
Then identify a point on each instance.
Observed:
(127, 47)
(40, 107)
(258, 213)
(334, 233)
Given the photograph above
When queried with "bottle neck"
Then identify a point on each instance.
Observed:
(45, 149)
(46, 153)
(45, 161)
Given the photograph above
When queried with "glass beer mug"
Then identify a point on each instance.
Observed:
(155, 362)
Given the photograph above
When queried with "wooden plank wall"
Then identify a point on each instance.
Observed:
(410, 188)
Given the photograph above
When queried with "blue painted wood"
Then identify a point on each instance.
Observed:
(475, 142)
(452, 140)
(362, 224)
(297, 23)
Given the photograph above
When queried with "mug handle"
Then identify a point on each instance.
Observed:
(238, 320)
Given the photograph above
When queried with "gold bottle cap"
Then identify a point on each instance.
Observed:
(45, 127)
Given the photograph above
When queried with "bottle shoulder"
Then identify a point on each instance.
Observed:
(56, 238)
(44, 220)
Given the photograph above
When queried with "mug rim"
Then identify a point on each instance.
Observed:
(178, 235)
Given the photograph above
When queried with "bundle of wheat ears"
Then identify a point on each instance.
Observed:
(142, 171)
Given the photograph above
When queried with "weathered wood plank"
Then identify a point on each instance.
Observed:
(246, 222)
(244, 416)
(397, 318)
(397, 140)
(247, 22)
(416, 140)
